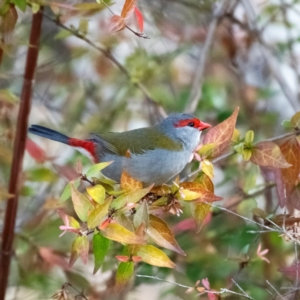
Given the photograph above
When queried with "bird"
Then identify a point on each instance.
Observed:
(151, 155)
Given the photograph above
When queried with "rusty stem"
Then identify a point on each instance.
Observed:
(19, 148)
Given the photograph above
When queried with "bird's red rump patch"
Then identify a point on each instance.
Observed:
(87, 145)
(194, 122)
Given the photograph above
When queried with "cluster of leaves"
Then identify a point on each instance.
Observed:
(131, 215)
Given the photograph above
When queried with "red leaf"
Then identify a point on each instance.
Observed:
(139, 18)
(35, 151)
(116, 24)
(221, 135)
(286, 178)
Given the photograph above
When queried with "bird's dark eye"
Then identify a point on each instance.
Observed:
(191, 124)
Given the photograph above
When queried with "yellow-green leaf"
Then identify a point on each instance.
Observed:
(249, 137)
(199, 212)
(295, 120)
(124, 273)
(98, 213)
(208, 168)
(130, 197)
(80, 247)
(142, 215)
(154, 256)
(161, 234)
(247, 153)
(66, 194)
(81, 203)
(95, 169)
(120, 234)
(97, 192)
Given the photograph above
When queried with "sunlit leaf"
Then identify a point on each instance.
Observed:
(154, 256)
(81, 203)
(268, 154)
(124, 273)
(129, 184)
(130, 197)
(295, 120)
(208, 168)
(120, 234)
(221, 135)
(97, 192)
(95, 169)
(161, 234)
(66, 194)
(100, 249)
(98, 213)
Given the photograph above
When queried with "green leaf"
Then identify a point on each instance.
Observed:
(199, 212)
(120, 234)
(100, 249)
(81, 203)
(40, 174)
(249, 137)
(142, 215)
(95, 169)
(98, 213)
(21, 4)
(62, 34)
(66, 194)
(124, 273)
(159, 231)
(130, 197)
(154, 256)
(97, 192)
(80, 247)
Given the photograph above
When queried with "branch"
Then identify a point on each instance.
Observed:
(108, 55)
(196, 90)
(19, 148)
(292, 99)
(226, 155)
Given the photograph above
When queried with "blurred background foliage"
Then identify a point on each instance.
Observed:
(251, 62)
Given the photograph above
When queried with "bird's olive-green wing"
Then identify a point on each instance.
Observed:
(136, 141)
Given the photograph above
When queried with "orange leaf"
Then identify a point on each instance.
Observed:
(116, 24)
(205, 181)
(200, 192)
(286, 178)
(128, 9)
(159, 231)
(130, 184)
(221, 135)
(139, 18)
(268, 154)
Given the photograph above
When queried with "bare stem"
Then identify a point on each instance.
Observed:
(19, 148)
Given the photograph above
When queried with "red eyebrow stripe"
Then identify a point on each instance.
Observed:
(183, 123)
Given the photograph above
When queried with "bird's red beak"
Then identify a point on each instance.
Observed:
(203, 125)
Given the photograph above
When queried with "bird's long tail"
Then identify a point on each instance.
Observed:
(48, 133)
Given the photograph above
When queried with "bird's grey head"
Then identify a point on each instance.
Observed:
(184, 128)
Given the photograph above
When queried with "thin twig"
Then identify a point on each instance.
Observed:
(272, 63)
(19, 148)
(196, 90)
(226, 155)
(109, 56)
(278, 294)
(222, 291)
